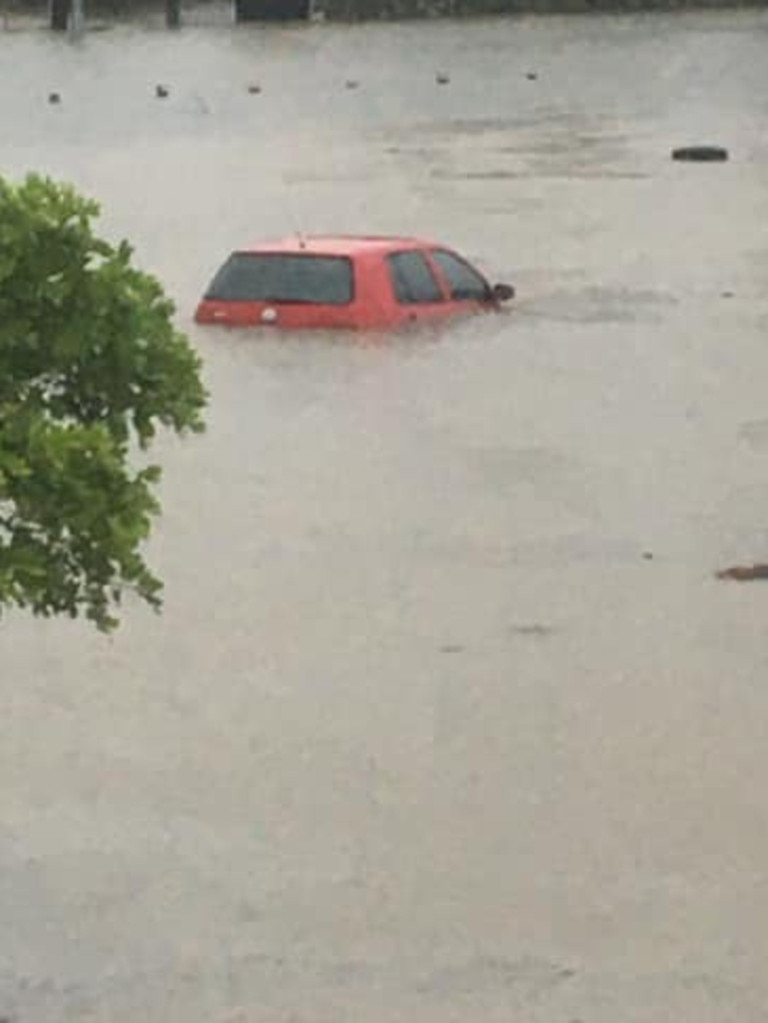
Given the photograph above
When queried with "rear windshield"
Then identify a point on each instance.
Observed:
(277, 277)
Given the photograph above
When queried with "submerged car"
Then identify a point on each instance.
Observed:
(346, 282)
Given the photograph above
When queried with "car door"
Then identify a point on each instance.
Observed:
(418, 294)
(467, 289)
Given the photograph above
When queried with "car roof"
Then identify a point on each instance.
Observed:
(338, 244)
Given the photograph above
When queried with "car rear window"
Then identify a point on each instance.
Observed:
(280, 277)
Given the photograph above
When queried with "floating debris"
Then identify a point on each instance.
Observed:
(531, 629)
(254, 89)
(744, 573)
(701, 154)
(351, 83)
(161, 91)
(442, 78)
(54, 97)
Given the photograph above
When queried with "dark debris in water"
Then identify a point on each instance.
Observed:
(533, 629)
(744, 573)
(700, 154)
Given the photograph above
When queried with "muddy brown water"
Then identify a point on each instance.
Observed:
(447, 718)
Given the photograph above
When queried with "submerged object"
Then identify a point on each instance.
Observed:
(701, 154)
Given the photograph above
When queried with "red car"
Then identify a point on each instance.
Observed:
(346, 282)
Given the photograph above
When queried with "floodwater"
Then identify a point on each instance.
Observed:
(446, 718)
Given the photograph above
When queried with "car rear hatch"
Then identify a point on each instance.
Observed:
(293, 290)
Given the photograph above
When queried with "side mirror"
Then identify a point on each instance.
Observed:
(503, 292)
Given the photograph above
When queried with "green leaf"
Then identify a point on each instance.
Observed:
(91, 366)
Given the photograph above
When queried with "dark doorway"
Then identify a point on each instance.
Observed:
(59, 11)
(271, 10)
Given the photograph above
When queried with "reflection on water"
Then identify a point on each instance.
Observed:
(446, 717)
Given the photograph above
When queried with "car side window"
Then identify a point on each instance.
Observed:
(412, 279)
(465, 283)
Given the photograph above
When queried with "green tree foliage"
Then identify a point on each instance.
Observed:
(90, 366)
